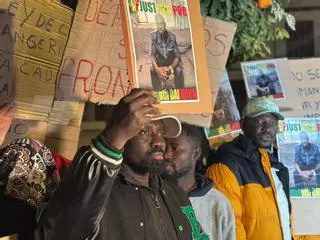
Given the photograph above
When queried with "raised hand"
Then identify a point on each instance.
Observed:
(130, 116)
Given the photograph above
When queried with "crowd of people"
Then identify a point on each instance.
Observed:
(143, 178)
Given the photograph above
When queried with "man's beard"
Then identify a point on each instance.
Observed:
(175, 174)
(148, 164)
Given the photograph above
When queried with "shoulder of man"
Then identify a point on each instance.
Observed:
(228, 152)
(175, 190)
(171, 35)
(233, 156)
(221, 204)
(154, 35)
(297, 147)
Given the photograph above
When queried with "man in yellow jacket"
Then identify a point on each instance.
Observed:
(248, 172)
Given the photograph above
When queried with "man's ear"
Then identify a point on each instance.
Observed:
(196, 153)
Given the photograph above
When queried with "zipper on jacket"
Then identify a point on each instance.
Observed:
(274, 197)
(157, 203)
(273, 193)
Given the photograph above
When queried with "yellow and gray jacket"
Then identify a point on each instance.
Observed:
(243, 173)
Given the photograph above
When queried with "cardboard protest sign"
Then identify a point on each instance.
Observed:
(299, 142)
(262, 78)
(60, 132)
(32, 41)
(166, 53)
(218, 39)
(226, 117)
(302, 89)
(94, 65)
(305, 218)
(63, 130)
(21, 128)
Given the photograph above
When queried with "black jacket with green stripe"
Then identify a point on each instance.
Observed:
(94, 201)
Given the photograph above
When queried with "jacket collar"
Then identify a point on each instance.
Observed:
(126, 176)
(204, 185)
(248, 151)
(245, 148)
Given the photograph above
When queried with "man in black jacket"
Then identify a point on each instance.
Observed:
(100, 198)
(248, 172)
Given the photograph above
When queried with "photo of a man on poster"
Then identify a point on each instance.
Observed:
(265, 85)
(298, 143)
(163, 50)
(165, 70)
(262, 79)
(307, 162)
(226, 117)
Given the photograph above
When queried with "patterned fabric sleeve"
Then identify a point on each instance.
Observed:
(27, 171)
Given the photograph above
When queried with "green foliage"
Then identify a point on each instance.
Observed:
(256, 28)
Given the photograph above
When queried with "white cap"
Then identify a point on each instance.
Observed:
(172, 125)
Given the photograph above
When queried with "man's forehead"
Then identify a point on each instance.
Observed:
(180, 139)
(158, 124)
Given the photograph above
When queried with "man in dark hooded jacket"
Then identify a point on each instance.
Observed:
(102, 198)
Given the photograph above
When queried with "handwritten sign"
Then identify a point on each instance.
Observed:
(63, 130)
(60, 131)
(218, 39)
(302, 89)
(33, 36)
(94, 65)
(26, 128)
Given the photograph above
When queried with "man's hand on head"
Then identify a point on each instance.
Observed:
(130, 116)
(6, 118)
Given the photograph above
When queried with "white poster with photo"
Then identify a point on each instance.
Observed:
(299, 143)
(262, 78)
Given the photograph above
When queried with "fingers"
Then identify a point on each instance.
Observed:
(145, 116)
(150, 111)
(142, 101)
(135, 93)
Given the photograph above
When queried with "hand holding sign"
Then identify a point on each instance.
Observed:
(6, 118)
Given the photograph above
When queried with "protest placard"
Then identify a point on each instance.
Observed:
(262, 78)
(94, 65)
(21, 128)
(302, 89)
(305, 218)
(166, 52)
(63, 129)
(226, 117)
(32, 41)
(60, 132)
(299, 141)
(218, 39)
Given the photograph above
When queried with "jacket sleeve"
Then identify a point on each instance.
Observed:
(75, 210)
(223, 219)
(225, 181)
